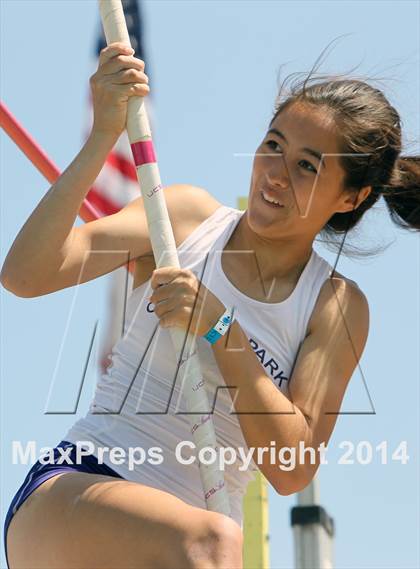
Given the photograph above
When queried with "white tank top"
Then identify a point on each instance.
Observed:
(149, 413)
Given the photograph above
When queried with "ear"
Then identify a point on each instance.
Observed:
(352, 200)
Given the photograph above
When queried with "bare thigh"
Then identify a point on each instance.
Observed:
(87, 521)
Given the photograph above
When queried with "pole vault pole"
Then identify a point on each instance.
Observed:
(165, 254)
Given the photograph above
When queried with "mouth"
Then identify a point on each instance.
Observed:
(266, 195)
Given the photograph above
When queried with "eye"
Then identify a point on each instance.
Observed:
(308, 166)
(272, 144)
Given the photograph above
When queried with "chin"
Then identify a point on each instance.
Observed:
(260, 224)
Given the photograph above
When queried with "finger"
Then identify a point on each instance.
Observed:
(162, 308)
(121, 62)
(173, 290)
(131, 89)
(164, 275)
(113, 49)
(129, 76)
(163, 291)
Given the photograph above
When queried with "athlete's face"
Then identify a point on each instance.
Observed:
(297, 164)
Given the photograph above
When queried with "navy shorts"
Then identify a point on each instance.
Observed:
(39, 473)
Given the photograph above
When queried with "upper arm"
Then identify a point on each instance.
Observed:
(327, 358)
(101, 246)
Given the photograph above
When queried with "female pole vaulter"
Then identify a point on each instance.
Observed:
(277, 371)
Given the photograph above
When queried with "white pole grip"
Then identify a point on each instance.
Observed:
(165, 254)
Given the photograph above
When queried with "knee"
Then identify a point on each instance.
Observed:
(225, 530)
(217, 544)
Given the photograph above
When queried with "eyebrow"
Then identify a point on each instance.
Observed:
(314, 153)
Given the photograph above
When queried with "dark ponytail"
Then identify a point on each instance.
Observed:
(402, 194)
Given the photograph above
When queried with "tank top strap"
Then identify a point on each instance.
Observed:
(319, 270)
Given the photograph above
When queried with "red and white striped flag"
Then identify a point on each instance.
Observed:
(117, 183)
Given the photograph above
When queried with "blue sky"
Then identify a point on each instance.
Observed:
(214, 75)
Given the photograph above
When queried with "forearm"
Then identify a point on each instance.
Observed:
(40, 246)
(264, 412)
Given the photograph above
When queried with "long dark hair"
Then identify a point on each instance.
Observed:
(369, 131)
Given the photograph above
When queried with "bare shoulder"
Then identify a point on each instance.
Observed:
(340, 299)
(189, 206)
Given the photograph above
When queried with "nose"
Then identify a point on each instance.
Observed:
(279, 180)
(278, 174)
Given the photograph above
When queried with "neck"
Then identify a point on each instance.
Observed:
(283, 257)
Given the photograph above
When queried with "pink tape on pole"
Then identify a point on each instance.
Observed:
(143, 152)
